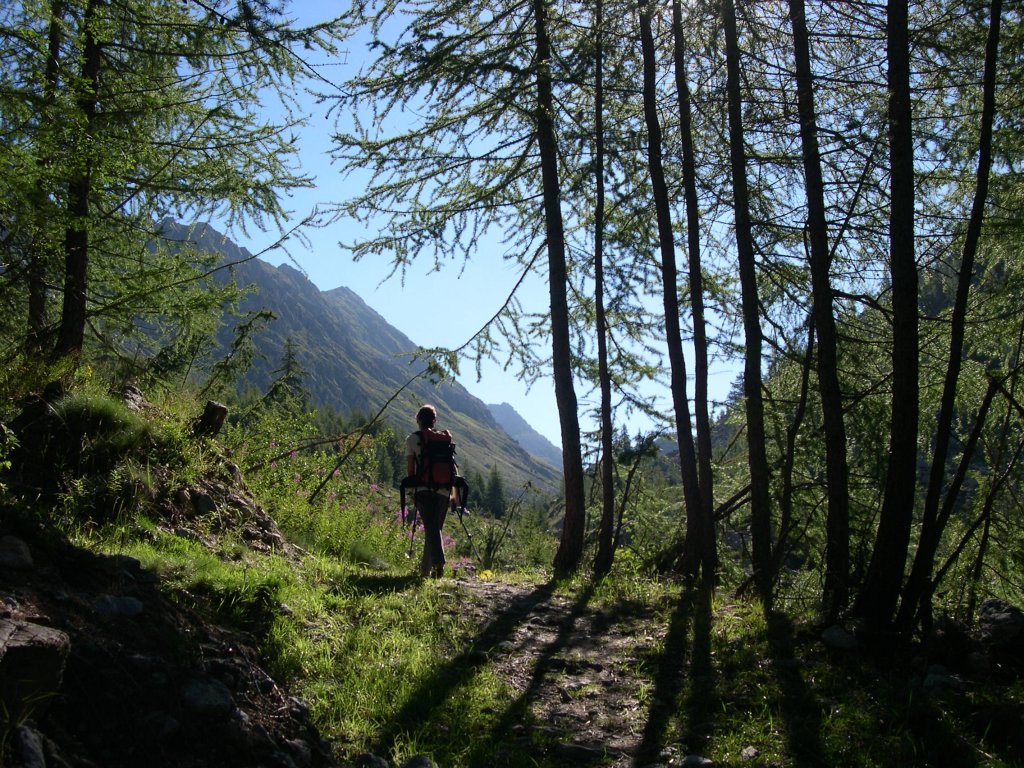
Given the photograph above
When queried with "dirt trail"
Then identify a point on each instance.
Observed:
(582, 673)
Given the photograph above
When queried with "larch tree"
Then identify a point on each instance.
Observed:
(760, 496)
(836, 587)
(146, 109)
(701, 542)
(880, 590)
(606, 528)
(483, 158)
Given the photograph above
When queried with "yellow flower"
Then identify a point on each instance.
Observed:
(486, 574)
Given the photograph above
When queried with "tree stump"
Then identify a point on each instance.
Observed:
(210, 423)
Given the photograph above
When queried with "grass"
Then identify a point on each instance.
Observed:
(388, 663)
(395, 665)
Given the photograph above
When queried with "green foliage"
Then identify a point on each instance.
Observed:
(110, 114)
(353, 516)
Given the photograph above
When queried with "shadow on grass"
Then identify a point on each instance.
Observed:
(687, 654)
(432, 693)
(380, 584)
(800, 708)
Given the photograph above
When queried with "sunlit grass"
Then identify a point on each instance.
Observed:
(393, 664)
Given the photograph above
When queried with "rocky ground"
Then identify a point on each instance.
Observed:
(143, 680)
(578, 669)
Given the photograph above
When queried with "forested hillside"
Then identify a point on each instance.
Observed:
(352, 361)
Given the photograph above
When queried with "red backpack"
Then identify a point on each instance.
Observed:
(435, 465)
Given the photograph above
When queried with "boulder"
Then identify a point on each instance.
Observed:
(1001, 632)
(839, 639)
(32, 659)
(999, 622)
(14, 554)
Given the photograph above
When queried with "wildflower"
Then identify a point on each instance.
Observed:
(336, 472)
(293, 454)
(298, 477)
(374, 487)
(486, 574)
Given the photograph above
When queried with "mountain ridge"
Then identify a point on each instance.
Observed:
(358, 363)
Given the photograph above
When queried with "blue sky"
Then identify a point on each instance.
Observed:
(468, 295)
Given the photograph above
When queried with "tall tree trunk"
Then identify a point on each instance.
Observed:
(39, 256)
(876, 602)
(669, 277)
(606, 532)
(757, 459)
(932, 524)
(570, 548)
(837, 559)
(71, 334)
(701, 526)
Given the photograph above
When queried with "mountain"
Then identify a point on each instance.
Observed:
(521, 431)
(356, 362)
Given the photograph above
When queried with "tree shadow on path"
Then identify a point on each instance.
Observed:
(686, 655)
(546, 664)
(800, 708)
(432, 692)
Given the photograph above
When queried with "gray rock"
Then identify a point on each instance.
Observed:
(371, 761)
(161, 725)
(749, 753)
(118, 606)
(249, 736)
(187, 533)
(580, 753)
(125, 565)
(280, 759)
(301, 752)
(978, 663)
(15, 554)
(27, 749)
(297, 708)
(839, 639)
(32, 659)
(1000, 622)
(696, 760)
(419, 761)
(207, 698)
(940, 679)
(203, 503)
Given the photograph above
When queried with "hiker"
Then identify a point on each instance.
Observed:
(431, 498)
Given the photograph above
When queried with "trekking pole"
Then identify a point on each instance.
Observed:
(472, 547)
(412, 534)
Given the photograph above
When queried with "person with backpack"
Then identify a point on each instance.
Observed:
(431, 470)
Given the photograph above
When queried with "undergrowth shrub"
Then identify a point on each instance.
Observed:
(90, 453)
(320, 502)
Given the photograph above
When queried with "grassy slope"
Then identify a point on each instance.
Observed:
(395, 665)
